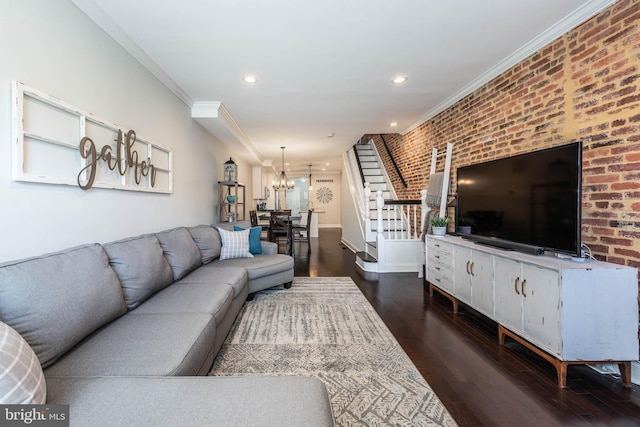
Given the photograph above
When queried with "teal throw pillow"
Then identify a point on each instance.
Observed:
(254, 239)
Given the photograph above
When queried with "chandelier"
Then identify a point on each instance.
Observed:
(282, 183)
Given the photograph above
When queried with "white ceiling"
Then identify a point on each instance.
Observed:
(324, 66)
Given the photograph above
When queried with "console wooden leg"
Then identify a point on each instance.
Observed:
(561, 367)
(500, 335)
(451, 298)
(625, 373)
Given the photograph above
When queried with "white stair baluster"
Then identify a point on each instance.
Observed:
(379, 205)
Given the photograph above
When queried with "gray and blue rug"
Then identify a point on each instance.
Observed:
(324, 327)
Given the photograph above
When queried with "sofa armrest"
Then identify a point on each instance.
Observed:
(269, 248)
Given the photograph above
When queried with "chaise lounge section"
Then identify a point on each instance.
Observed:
(121, 330)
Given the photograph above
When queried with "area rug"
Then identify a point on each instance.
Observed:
(325, 328)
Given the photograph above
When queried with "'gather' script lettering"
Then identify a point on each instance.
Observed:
(131, 159)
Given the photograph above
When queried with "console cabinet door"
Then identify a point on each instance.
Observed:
(541, 307)
(508, 298)
(462, 273)
(482, 276)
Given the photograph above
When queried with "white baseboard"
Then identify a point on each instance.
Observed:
(349, 245)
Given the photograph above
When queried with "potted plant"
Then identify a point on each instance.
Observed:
(465, 224)
(439, 226)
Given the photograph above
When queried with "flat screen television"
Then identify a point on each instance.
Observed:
(529, 202)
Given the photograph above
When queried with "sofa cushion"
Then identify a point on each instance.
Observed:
(194, 401)
(140, 266)
(229, 225)
(235, 277)
(190, 298)
(143, 345)
(181, 251)
(21, 378)
(235, 244)
(56, 300)
(254, 239)
(208, 241)
(258, 266)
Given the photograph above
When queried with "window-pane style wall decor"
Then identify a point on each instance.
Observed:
(56, 143)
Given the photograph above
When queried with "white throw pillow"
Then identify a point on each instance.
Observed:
(21, 377)
(235, 244)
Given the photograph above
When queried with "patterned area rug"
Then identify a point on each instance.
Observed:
(325, 328)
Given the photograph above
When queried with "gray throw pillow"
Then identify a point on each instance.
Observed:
(235, 244)
(208, 240)
(140, 266)
(181, 251)
(56, 300)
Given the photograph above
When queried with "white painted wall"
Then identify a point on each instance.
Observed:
(52, 46)
(330, 212)
(351, 233)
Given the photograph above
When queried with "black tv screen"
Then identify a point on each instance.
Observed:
(530, 201)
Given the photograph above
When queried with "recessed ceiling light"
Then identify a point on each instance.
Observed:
(330, 134)
(399, 80)
(393, 124)
(327, 164)
(249, 79)
(323, 169)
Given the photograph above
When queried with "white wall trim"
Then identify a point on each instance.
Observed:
(95, 12)
(217, 120)
(349, 245)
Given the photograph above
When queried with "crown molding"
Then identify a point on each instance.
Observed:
(575, 18)
(97, 15)
(217, 120)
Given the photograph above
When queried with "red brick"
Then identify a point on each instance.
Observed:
(625, 186)
(582, 86)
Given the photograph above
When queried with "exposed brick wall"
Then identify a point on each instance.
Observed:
(583, 86)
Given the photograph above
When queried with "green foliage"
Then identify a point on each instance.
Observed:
(439, 222)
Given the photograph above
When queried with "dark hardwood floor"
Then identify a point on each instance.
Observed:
(480, 382)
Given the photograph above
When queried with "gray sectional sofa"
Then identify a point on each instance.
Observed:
(122, 331)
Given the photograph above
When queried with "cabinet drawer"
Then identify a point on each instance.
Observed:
(439, 258)
(438, 267)
(435, 245)
(442, 281)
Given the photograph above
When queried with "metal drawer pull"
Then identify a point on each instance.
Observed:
(472, 264)
(524, 282)
(437, 256)
(437, 268)
(515, 285)
(468, 267)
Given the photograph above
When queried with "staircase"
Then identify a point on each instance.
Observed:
(390, 243)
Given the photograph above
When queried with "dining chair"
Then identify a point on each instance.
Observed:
(253, 216)
(280, 227)
(299, 229)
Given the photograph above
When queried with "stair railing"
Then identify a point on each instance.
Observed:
(393, 161)
(404, 219)
(355, 151)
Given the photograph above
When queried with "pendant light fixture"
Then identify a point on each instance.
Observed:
(310, 185)
(282, 183)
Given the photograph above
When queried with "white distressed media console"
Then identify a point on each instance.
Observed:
(566, 312)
